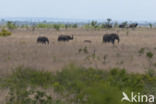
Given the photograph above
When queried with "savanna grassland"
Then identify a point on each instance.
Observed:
(76, 72)
(21, 49)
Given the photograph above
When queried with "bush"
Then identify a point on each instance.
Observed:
(10, 25)
(99, 87)
(77, 85)
(57, 27)
(141, 51)
(84, 50)
(103, 93)
(22, 83)
(29, 77)
(5, 32)
(149, 54)
(30, 96)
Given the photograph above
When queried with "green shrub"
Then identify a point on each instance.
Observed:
(30, 96)
(103, 93)
(123, 80)
(78, 85)
(29, 77)
(149, 54)
(57, 27)
(94, 24)
(5, 32)
(141, 51)
(150, 25)
(151, 72)
(84, 50)
(100, 87)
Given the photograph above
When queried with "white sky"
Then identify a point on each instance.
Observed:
(80, 9)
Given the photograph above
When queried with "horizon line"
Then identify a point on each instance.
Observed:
(72, 19)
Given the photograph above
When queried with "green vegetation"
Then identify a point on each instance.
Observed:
(107, 24)
(41, 25)
(74, 25)
(56, 26)
(141, 51)
(84, 50)
(30, 96)
(94, 24)
(10, 25)
(24, 26)
(5, 32)
(27, 76)
(85, 85)
(22, 83)
(149, 54)
(104, 58)
(150, 25)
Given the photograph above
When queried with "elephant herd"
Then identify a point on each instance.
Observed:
(107, 38)
(124, 25)
(44, 40)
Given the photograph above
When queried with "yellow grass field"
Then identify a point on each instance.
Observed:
(21, 49)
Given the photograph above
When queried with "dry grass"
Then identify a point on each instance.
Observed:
(21, 49)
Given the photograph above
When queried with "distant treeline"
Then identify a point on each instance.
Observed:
(57, 25)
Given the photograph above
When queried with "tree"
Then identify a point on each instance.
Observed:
(93, 23)
(57, 27)
(10, 25)
(74, 26)
(109, 20)
(150, 25)
(107, 24)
